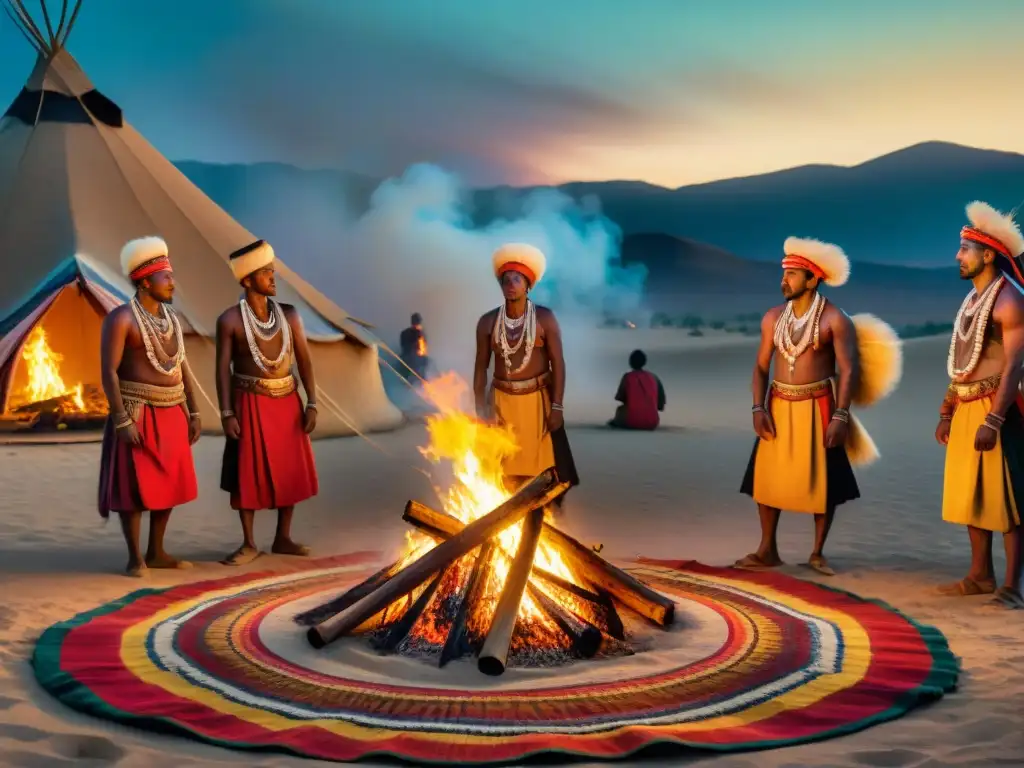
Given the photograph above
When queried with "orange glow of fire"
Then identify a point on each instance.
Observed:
(475, 451)
(421, 347)
(44, 379)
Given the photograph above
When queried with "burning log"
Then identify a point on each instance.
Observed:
(535, 494)
(455, 645)
(494, 654)
(49, 405)
(584, 637)
(401, 628)
(442, 526)
(623, 587)
(358, 592)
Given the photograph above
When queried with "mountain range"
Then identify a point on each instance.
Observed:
(897, 216)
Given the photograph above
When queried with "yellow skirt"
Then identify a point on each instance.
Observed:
(977, 488)
(527, 415)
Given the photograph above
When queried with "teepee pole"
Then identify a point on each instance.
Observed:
(29, 24)
(49, 26)
(71, 21)
(8, 9)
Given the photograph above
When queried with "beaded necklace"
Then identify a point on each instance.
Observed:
(267, 330)
(154, 338)
(506, 326)
(788, 326)
(976, 310)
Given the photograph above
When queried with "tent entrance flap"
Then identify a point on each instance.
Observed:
(54, 366)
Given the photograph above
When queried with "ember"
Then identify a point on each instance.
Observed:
(488, 575)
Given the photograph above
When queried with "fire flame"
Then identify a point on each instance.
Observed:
(421, 346)
(44, 380)
(475, 451)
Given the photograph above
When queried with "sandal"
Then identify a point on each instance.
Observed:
(820, 564)
(241, 556)
(754, 562)
(1007, 598)
(968, 587)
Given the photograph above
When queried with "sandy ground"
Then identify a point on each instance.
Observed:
(668, 494)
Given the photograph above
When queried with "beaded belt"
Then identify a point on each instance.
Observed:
(801, 391)
(269, 387)
(135, 394)
(975, 390)
(521, 387)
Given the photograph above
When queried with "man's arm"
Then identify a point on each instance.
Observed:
(189, 382)
(225, 353)
(553, 341)
(481, 363)
(114, 333)
(303, 361)
(1009, 315)
(844, 342)
(661, 394)
(763, 363)
(620, 394)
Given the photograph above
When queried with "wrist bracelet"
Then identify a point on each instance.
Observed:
(311, 405)
(841, 414)
(193, 414)
(758, 409)
(226, 414)
(123, 422)
(556, 407)
(945, 417)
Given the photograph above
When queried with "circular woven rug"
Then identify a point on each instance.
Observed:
(754, 661)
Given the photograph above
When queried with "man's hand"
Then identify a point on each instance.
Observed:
(555, 420)
(836, 433)
(232, 429)
(195, 428)
(129, 435)
(942, 432)
(309, 420)
(764, 427)
(985, 438)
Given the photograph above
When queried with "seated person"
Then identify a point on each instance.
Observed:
(641, 395)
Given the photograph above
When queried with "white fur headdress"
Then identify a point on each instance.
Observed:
(829, 259)
(999, 226)
(135, 253)
(520, 257)
(252, 257)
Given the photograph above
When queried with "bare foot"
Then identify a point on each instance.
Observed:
(289, 547)
(136, 570)
(241, 556)
(757, 562)
(166, 562)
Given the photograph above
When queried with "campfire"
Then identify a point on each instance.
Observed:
(491, 574)
(45, 400)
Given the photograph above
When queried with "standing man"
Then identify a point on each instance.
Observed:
(268, 459)
(146, 460)
(806, 436)
(413, 345)
(980, 421)
(529, 370)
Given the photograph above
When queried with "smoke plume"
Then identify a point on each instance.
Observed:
(417, 249)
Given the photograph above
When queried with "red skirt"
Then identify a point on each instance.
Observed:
(271, 465)
(156, 475)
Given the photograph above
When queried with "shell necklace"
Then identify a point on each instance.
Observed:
(266, 330)
(505, 326)
(789, 326)
(154, 338)
(976, 310)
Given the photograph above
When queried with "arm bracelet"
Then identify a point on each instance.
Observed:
(841, 414)
(227, 414)
(311, 405)
(557, 407)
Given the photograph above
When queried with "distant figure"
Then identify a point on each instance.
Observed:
(413, 343)
(642, 397)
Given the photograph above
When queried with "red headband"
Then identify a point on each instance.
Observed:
(515, 266)
(159, 264)
(977, 236)
(792, 261)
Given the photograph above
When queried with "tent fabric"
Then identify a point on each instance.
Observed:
(72, 193)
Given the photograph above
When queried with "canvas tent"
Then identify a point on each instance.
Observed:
(76, 183)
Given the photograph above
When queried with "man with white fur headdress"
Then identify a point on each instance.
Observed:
(981, 420)
(268, 460)
(824, 362)
(146, 462)
(529, 369)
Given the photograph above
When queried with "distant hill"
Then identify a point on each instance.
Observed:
(686, 276)
(902, 208)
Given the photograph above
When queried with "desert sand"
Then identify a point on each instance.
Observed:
(670, 494)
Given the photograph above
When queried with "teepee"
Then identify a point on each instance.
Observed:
(76, 183)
